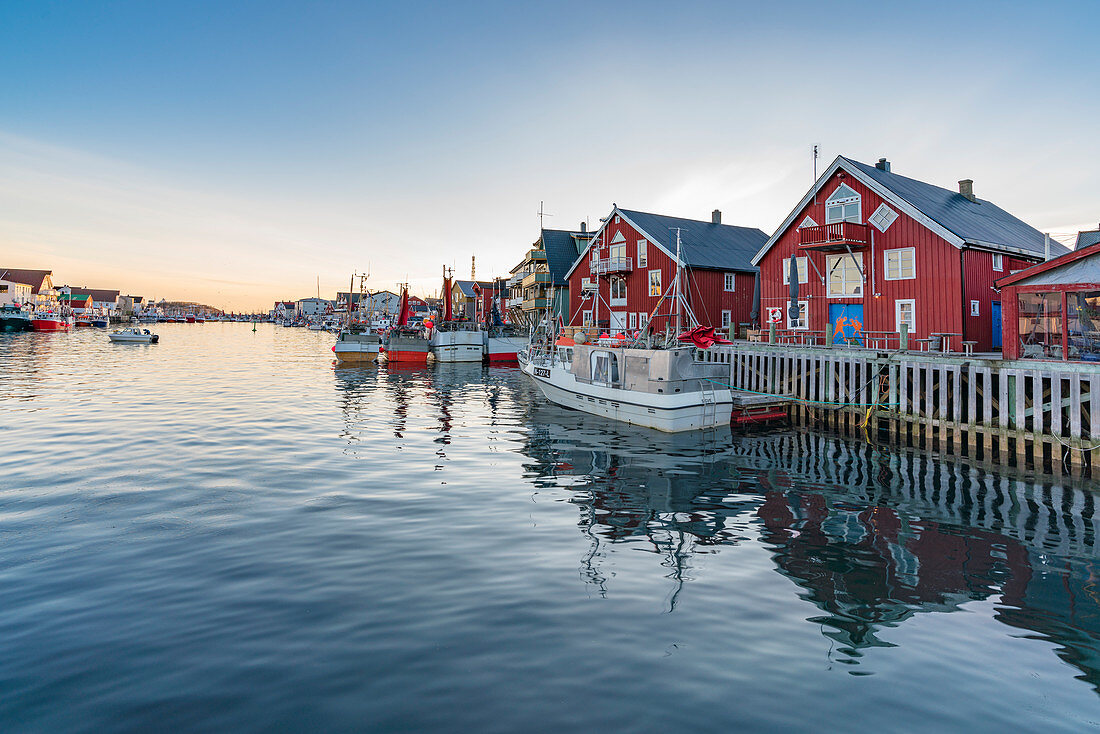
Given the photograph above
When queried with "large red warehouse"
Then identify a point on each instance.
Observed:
(876, 249)
(618, 282)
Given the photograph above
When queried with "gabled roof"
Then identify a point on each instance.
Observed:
(34, 278)
(1087, 239)
(100, 294)
(1076, 266)
(467, 286)
(948, 213)
(702, 244)
(561, 252)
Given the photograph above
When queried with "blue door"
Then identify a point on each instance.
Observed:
(996, 311)
(847, 321)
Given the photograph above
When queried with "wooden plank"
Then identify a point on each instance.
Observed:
(987, 413)
(956, 407)
(929, 397)
(971, 410)
(1020, 376)
(1002, 415)
(1094, 424)
(1076, 456)
(941, 432)
(1037, 409)
(1056, 404)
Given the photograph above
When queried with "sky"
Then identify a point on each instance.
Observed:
(238, 153)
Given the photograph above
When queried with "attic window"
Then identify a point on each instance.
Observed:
(883, 217)
(842, 205)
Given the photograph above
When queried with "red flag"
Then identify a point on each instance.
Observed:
(703, 337)
(403, 314)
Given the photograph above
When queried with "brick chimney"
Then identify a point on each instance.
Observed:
(883, 165)
(716, 217)
(966, 188)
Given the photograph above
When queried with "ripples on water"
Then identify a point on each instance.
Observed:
(223, 531)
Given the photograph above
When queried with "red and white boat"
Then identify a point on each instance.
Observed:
(190, 318)
(50, 321)
(504, 343)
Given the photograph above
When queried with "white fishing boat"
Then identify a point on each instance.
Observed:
(458, 341)
(666, 389)
(504, 343)
(670, 387)
(133, 336)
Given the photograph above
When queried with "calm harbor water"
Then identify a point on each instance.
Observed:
(223, 531)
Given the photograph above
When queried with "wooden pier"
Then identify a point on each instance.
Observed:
(1030, 414)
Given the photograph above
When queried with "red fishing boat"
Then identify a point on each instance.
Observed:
(51, 321)
(406, 345)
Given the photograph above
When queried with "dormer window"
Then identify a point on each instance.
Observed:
(842, 206)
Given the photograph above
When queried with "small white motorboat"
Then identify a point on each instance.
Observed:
(134, 336)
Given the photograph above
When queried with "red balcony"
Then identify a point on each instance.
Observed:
(836, 236)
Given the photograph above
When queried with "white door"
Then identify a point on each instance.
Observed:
(618, 322)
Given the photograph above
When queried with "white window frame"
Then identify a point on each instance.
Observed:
(617, 284)
(857, 258)
(643, 253)
(643, 319)
(586, 319)
(594, 255)
(844, 201)
(633, 320)
(807, 222)
(975, 308)
(898, 321)
(658, 292)
(882, 218)
(803, 270)
(803, 322)
(998, 262)
(730, 283)
(727, 319)
(898, 252)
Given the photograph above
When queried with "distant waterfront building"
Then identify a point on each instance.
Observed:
(876, 250)
(542, 272)
(625, 280)
(129, 305)
(15, 292)
(311, 307)
(470, 299)
(40, 281)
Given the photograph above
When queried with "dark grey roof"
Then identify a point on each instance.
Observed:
(467, 287)
(978, 221)
(703, 244)
(1087, 239)
(561, 252)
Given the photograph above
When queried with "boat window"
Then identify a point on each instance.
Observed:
(605, 367)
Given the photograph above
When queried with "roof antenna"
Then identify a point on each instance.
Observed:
(815, 173)
(542, 214)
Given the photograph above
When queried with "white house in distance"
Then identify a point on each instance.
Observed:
(14, 292)
(314, 307)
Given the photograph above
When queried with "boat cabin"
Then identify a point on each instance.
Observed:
(657, 371)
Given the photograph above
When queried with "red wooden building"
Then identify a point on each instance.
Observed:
(876, 249)
(1052, 310)
(630, 264)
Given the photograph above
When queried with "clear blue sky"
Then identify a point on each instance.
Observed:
(237, 151)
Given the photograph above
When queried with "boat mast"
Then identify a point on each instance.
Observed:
(677, 280)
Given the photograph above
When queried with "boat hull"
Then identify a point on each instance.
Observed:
(668, 413)
(133, 339)
(407, 350)
(356, 353)
(51, 324)
(458, 346)
(15, 323)
(505, 348)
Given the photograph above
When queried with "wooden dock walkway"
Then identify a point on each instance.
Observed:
(1030, 414)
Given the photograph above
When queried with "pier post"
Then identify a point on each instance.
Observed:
(903, 343)
(828, 335)
(771, 333)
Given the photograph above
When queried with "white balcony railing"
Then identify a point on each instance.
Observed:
(515, 302)
(614, 265)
